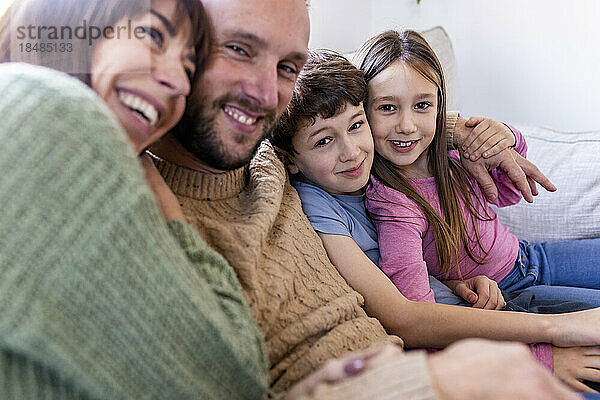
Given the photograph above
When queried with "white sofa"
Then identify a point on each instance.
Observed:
(571, 160)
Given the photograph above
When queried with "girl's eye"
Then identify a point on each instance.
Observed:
(323, 142)
(386, 107)
(155, 34)
(422, 105)
(356, 125)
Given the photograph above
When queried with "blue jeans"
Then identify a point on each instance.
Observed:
(559, 271)
(444, 295)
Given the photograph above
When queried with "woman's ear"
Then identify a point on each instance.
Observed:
(287, 159)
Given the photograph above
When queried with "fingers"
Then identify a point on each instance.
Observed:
(496, 301)
(486, 183)
(502, 145)
(533, 172)
(490, 296)
(592, 351)
(483, 293)
(334, 371)
(532, 186)
(462, 290)
(489, 137)
(579, 386)
(517, 175)
(589, 374)
(474, 121)
(501, 301)
(476, 369)
(478, 136)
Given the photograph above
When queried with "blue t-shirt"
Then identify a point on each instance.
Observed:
(343, 214)
(339, 214)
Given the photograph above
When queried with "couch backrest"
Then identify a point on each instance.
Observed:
(440, 42)
(571, 160)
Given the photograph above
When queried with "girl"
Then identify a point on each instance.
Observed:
(101, 296)
(420, 192)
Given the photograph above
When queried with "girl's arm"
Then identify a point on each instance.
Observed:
(435, 325)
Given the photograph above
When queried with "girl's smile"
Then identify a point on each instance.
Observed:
(404, 147)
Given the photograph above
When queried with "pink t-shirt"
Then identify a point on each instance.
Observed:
(406, 242)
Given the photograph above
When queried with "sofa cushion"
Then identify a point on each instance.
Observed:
(570, 161)
(440, 42)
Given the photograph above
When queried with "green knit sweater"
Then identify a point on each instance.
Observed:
(99, 297)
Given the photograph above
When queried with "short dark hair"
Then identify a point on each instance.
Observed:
(324, 87)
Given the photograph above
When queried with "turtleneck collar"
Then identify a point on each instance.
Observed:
(201, 185)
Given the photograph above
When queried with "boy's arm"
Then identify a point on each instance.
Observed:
(358, 270)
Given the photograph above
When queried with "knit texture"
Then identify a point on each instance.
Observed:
(99, 297)
(253, 216)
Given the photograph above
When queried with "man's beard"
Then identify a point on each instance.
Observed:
(200, 138)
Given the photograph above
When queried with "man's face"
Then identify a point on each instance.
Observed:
(259, 49)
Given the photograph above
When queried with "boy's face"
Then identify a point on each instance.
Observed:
(336, 153)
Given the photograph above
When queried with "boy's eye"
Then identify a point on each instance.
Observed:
(356, 125)
(155, 34)
(422, 105)
(323, 142)
(386, 107)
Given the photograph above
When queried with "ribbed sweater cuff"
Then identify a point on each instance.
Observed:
(451, 120)
(406, 377)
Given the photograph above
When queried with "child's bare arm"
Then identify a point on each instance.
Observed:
(437, 325)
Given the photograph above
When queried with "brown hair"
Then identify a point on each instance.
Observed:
(450, 232)
(324, 87)
(99, 13)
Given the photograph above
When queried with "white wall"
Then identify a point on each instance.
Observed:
(4, 5)
(521, 61)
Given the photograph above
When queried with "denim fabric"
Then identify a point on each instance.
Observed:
(557, 270)
(444, 295)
